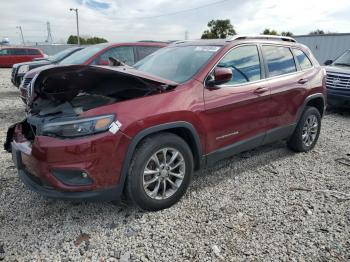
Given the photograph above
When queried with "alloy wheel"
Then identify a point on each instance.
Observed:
(164, 173)
(310, 130)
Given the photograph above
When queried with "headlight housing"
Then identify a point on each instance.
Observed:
(79, 127)
(23, 69)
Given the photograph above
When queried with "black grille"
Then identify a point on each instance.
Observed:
(338, 81)
(26, 82)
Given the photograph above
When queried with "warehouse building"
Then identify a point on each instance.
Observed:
(327, 46)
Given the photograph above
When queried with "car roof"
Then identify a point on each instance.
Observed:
(21, 47)
(146, 43)
(240, 39)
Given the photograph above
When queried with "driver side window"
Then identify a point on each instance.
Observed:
(245, 64)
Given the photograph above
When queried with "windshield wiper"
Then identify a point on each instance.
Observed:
(342, 64)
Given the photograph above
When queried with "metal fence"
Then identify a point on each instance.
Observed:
(52, 49)
(325, 47)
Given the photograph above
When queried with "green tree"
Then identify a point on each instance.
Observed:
(267, 31)
(219, 29)
(72, 39)
(317, 32)
(287, 33)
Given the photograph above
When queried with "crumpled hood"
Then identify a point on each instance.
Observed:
(37, 70)
(63, 83)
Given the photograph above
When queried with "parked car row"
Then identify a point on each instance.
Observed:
(142, 124)
(101, 54)
(20, 69)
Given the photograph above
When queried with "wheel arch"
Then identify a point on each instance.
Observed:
(183, 129)
(316, 100)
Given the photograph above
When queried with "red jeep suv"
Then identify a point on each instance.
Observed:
(94, 132)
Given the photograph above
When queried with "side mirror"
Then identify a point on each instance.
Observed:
(328, 62)
(221, 75)
(103, 62)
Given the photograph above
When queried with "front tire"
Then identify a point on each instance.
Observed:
(306, 133)
(160, 172)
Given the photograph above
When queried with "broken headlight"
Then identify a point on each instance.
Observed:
(79, 127)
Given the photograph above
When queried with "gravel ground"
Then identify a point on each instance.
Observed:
(262, 205)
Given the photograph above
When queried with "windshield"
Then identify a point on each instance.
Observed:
(81, 56)
(60, 55)
(177, 63)
(344, 59)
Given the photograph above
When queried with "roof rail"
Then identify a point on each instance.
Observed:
(176, 42)
(266, 37)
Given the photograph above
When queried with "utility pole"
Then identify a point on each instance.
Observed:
(49, 38)
(77, 17)
(20, 30)
(186, 35)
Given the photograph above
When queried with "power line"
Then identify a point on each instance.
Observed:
(175, 13)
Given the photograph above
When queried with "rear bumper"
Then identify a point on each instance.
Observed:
(339, 98)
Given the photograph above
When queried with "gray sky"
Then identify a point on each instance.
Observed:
(130, 20)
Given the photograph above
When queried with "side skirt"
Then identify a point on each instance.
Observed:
(270, 136)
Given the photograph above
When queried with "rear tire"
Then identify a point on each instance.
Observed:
(160, 172)
(306, 133)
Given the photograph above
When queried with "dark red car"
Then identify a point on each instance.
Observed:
(100, 54)
(13, 55)
(95, 132)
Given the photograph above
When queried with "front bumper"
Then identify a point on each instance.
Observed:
(96, 156)
(338, 98)
(33, 184)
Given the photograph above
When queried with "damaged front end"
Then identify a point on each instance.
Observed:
(57, 96)
(57, 148)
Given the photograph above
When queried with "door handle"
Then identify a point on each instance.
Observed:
(302, 81)
(261, 90)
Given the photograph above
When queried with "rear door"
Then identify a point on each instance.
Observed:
(19, 55)
(288, 84)
(238, 110)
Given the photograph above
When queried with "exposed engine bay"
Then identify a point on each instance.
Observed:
(61, 94)
(80, 88)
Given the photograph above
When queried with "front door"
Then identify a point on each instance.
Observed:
(236, 112)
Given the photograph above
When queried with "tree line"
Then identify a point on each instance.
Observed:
(73, 39)
(223, 29)
(220, 28)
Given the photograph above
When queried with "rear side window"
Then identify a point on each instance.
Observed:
(245, 64)
(33, 52)
(303, 60)
(279, 60)
(18, 51)
(143, 51)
